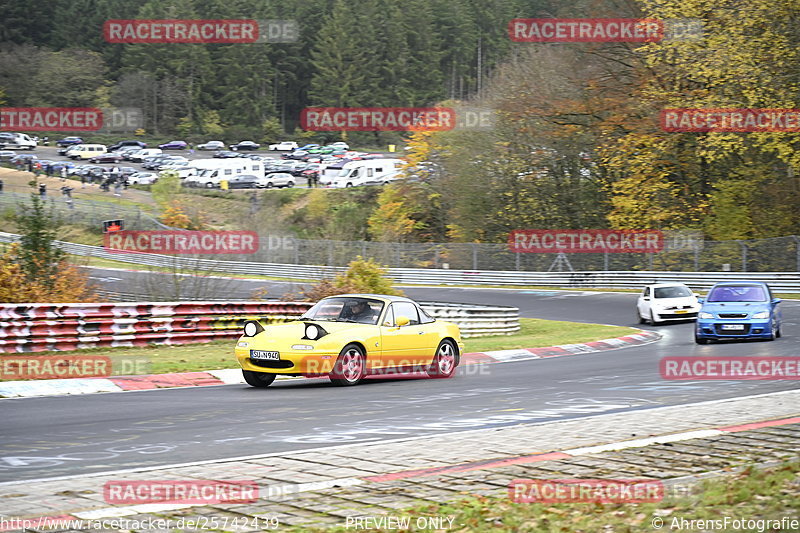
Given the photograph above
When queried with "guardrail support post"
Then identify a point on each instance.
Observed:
(474, 257)
(797, 250)
(744, 255)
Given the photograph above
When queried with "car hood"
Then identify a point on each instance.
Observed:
(296, 328)
(734, 307)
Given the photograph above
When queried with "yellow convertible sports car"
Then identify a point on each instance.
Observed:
(350, 336)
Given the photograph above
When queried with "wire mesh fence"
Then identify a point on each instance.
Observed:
(779, 254)
(78, 211)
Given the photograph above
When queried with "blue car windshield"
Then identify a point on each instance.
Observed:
(737, 293)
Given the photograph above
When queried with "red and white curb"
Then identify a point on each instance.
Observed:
(58, 387)
(278, 492)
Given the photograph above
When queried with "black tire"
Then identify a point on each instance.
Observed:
(349, 185)
(258, 379)
(269, 185)
(699, 340)
(653, 321)
(639, 317)
(209, 185)
(350, 367)
(445, 360)
(773, 334)
(290, 184)
(778, 333)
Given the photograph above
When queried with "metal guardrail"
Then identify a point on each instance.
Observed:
(785, 282)
(66, 327)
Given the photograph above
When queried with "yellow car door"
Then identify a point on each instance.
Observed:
(407, 344)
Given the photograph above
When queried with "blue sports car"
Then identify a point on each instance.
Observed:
(738, 310)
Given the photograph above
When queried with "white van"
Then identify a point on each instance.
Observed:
(369, 172)
(139, 155)
(86, 151)
(19, 141)
(210, 172)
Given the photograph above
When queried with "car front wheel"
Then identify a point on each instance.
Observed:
(444, 362)
(258, 379)
(700, 340)
(351, 366)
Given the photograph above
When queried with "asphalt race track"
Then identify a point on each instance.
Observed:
(57, 436)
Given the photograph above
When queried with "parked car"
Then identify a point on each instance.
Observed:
(152, 163)
(86, 151)
(142, 178)
(340, 146)
(17, 141)
(245, 145)
(126, 144)
(284, 146)
(140, 155)
(348, 336)
(173, 145)
(738, 310)
(662, 302)
(297, 154)
(7, 155)
(308, 147)
(225, 154)
(278, 179)
(69, 141)
(106, 158)
(245, 181)
(22, 158)
(211, 145)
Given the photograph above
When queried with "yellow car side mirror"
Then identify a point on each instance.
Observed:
(402, 321)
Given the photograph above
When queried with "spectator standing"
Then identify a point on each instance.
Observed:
(67, 193)
(64, 173)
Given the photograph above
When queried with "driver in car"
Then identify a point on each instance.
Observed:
(359, 311)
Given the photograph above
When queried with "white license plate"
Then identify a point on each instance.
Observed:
(733, 327)
(262, 355)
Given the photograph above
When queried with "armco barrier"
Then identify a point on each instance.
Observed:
(65, 327)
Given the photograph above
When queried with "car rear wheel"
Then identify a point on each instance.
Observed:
(290, 184)
(258, 379)
(445, 361)
(350, 367)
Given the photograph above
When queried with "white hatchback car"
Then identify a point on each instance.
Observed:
(663, 302)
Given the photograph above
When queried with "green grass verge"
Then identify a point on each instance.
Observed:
(219, 354)
(751, 494)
